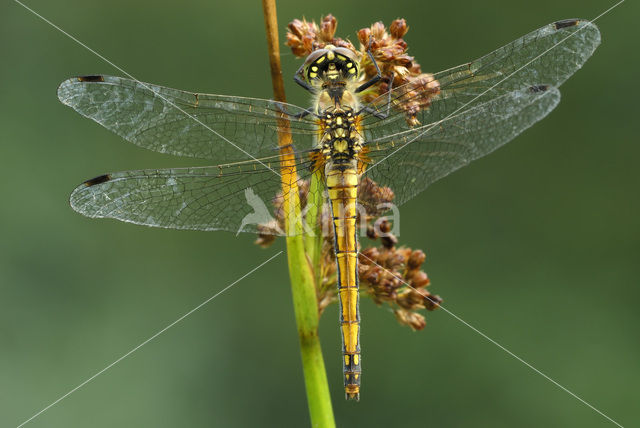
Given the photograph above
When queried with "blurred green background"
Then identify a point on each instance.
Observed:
(537, 245)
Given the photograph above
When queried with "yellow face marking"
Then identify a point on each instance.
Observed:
(321, 59)
(352, 71)
(313, 75)
(330, 55)
(349, 64)
(314, 68)
(356, 359)
(342, 57)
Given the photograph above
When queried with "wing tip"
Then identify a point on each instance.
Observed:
(63, 94)
(78, 196)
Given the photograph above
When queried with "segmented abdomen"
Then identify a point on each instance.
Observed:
(342, 184)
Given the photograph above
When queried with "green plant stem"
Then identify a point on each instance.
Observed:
(306, 311)
(301, 272)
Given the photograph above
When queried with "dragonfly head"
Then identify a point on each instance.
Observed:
(330, 64)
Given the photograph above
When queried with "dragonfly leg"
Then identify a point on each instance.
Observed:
(303, 113)
(377, 113)
(375, 79)
(386, 113)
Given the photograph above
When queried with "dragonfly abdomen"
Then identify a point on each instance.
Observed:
(342, 184)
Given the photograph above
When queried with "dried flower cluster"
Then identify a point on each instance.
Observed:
(413, 88)
(304, 37)
(387, 274)
(394, 276)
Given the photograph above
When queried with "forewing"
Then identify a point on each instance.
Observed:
(481, 106)
(183, 123)
(235, 197)
(547, 56)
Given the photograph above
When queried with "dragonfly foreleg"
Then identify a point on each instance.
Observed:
(375, 79)
(377, 113)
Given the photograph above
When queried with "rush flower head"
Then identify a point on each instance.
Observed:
(395, 276)
(399, 70)
(303, 37)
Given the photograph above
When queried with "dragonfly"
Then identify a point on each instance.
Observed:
(478, 107)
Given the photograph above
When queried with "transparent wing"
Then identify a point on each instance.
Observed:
(548, 55)
(183, 123)
(481, 106)
(233, 197)
(425, 155)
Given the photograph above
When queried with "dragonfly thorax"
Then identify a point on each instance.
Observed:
(340, 142)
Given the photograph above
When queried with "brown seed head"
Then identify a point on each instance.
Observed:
(419, 279)
(398, 28)
(412, 319)
(416, 259)
(304, 37)
(328, 28)
(432, 302)
(374, 198)
(301, 37)
(414, 89)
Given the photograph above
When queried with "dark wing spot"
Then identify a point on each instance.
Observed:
(566, 23)
(98, 180)
(92, 78)
(538, 88)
